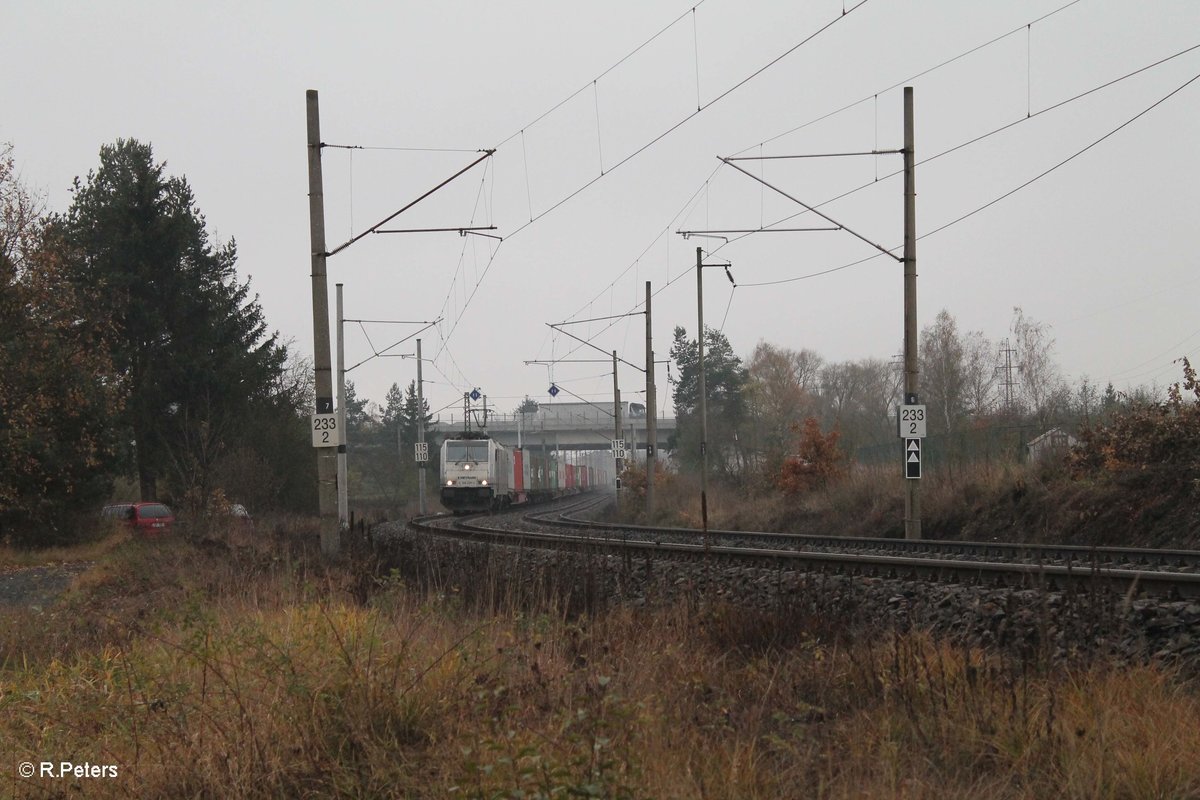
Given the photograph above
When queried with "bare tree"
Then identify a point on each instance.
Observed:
(807, 365)
(777, 400)
(980, 374)
(840, 387)
(943, 372)
(879, 391)
(22, 215)
(1041, 380)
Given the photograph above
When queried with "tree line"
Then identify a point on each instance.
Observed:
(382, 463)
(132, 356)
(986, 399)
(131, 352)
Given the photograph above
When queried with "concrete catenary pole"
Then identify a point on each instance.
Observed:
(343, 482)
(651, 412)
(912, 499)
(420, 432)
(326, 456)
(620, 462)
(703, 395)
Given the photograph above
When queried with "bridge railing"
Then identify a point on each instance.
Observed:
(536, 420)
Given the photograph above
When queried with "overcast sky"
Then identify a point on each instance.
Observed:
(1101, 249)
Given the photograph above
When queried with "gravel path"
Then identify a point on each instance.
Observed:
(36, 587)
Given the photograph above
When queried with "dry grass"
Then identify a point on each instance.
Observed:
(981, 500)
(105, 541)
(247, 669)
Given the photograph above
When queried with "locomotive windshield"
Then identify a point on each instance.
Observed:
(467, 450)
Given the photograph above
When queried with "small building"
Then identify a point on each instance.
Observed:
(1053, 443)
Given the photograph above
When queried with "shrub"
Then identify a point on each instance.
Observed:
(1146, 436)
(818, 462)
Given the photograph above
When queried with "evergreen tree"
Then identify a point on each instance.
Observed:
(358, 421)
(725, 382)
(191, 346)
(393, 410)
(411, 417)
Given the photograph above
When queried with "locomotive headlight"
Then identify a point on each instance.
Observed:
(483, 482)
(466, 466)
(449, 483)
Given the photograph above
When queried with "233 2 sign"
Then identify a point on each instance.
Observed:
(911, 421)
(325, 431)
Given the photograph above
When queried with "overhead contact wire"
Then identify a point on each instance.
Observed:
(911, 78)
(1004, 196)
(1070, 158)
(657, 138)
(975, 140)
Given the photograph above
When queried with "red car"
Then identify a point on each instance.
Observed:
(141, 517)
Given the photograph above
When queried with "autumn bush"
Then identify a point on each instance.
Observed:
(818, 461)
(1161, 437)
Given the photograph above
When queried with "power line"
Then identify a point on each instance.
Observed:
(970, 142)
(997, 199)
(955, 148)
(402, 149)
(1067, 160)
(663, 233)
(912, 78)
(1129, 302)
(1163, 354)
(572, 195)
(727, 305)
(965, 216)
(579, 190)
(584, 88)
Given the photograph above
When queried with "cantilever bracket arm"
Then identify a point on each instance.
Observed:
(486, 155)
(589, 344)
(826, 217)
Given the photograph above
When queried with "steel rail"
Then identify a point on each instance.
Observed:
(1083, 554)
(1127, 582)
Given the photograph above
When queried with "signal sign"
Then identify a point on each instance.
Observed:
(554, 390)
(912, 458)
(475, 395)
(421, 451)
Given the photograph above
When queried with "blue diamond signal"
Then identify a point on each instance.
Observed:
(475, 395)
(553, 390)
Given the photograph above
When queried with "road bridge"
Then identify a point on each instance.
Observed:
(568, 426)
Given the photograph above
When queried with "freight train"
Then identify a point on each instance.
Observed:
(480, 474)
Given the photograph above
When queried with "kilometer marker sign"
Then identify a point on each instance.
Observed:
(910, 421)
(325, 431)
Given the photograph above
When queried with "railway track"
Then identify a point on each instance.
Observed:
(1128, 571)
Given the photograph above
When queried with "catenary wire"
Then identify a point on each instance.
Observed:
(973, 141)
(898, 172)
(991, 202)
(965, 216)
(579, 190)
(911, 78)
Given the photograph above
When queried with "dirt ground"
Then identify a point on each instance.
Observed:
(36, 587)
